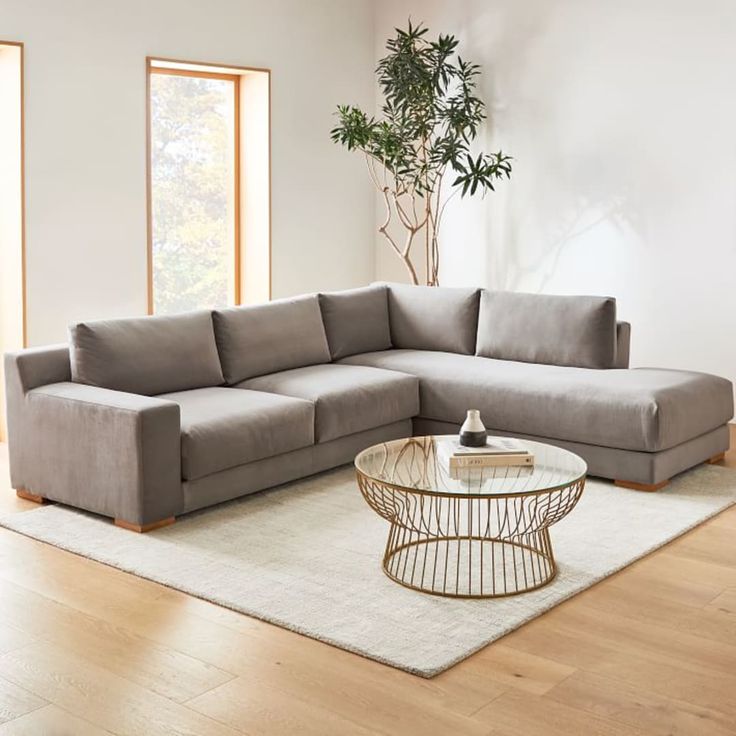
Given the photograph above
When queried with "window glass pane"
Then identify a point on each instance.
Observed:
(192, 185)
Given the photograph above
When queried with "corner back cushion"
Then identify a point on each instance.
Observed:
(433, 318)
(356, 321)
(554, 330)
(267, 338)
(146, 355)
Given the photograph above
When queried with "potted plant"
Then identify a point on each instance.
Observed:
(431, 116)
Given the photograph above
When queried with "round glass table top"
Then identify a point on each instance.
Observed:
(412, 464)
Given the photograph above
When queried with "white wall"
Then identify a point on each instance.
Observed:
(622, 119)
(85, 140)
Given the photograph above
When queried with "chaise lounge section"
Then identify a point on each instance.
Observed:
(145, 419)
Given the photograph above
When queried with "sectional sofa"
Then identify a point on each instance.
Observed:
(145, 419)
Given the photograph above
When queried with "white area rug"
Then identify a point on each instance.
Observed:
(307, 557)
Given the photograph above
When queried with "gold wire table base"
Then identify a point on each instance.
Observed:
(469, 567)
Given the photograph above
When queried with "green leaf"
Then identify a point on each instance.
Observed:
(431, 115)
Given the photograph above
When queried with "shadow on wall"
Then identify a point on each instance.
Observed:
(574, 164)
(514, 268)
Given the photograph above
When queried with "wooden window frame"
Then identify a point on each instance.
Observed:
(23, 287)
(21, 314)
(156, 65)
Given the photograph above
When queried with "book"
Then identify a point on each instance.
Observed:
(491, 461)
(498, 452)
(471, 474)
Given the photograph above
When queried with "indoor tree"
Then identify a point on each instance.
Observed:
(431, 115)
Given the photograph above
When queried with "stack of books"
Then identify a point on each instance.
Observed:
(497, 452)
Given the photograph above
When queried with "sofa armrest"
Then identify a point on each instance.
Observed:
(111, 452)
(623, 344)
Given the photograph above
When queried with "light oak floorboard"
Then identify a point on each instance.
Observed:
(636, 707)
(707, 622)
(666, 582)
(546, 638)
(724, 603)
(112, 702)
(16, 701)
(259, 709)
(51, 721)
(712, 690)
(646, 651)
(666, 563)
(12, 638)
(659, 640)
(726, 519)
(162, 669)
(516, 714)
(525, 671)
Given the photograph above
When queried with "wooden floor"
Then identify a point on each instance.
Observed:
(87, 650)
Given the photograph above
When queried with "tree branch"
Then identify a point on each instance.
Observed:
(384, 228)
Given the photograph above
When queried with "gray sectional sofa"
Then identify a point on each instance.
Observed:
(145, 419)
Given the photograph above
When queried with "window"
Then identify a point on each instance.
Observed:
(202, 175)
(194, 140)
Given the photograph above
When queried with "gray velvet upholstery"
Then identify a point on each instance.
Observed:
(432, 318)
(347, 398)
(221, 428)
(25, 370)
(356, 321)
(106, 451)
(146, 355)
(610, 462)
(644, 409)
(235, 482)
(541, 328)
(623, 342)
(290, 412)
(35, 367)
(266, 338)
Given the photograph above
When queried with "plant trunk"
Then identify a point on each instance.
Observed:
(433, 276)
(429, 241)
(405, 259)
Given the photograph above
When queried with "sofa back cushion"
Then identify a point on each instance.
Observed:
(555, 330)
(356, 321)
(146, 355)
(433, 318)
(267, 338)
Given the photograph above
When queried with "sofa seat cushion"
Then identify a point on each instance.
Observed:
(645, 409)
(222, 427)
(347, 398)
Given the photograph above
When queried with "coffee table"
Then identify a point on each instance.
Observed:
(483, 534)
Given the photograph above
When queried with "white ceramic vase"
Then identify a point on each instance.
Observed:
(473, 432)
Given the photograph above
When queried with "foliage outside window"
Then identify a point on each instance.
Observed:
(192, 186)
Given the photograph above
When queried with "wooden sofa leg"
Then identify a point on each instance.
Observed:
(716, 458)
(143, 528)
(641, 486)
(28, 496)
